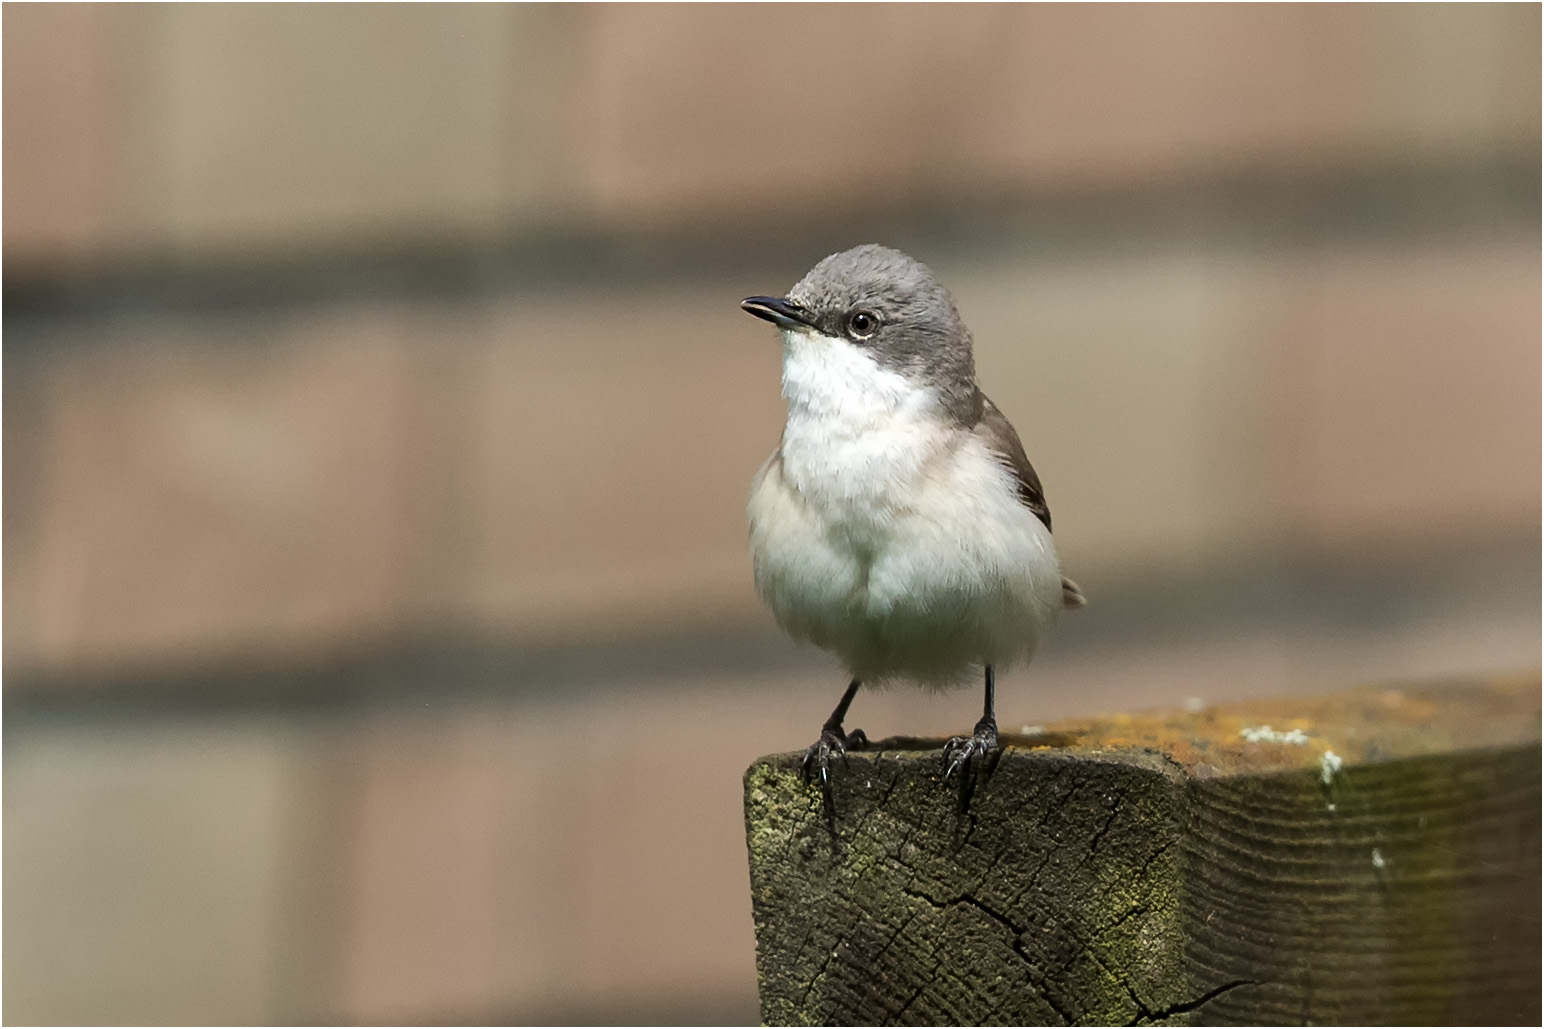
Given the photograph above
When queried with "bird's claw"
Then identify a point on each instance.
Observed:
(832, 741)
(962, 751)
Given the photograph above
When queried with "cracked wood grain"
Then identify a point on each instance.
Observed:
(1161, 872)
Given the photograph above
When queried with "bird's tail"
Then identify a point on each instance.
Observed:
(1071, 595)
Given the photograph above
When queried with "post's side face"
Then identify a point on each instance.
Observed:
(1052, 899)
(1399, 893)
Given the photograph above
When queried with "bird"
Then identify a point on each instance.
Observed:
(898, 524)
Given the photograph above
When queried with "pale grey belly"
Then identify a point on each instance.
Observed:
(918, 597)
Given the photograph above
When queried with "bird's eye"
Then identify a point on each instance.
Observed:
(862, 324)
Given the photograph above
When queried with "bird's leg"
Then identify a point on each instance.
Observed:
(960, 751)
(833, 740)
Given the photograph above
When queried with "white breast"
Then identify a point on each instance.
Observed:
(858, 436)
(885, 534)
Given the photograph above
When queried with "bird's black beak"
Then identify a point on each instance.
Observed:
(783, 313)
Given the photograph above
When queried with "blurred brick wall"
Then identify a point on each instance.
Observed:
(193, 489)
(208, 129)
(256, 488)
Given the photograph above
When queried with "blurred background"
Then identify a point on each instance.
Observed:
(379, 638)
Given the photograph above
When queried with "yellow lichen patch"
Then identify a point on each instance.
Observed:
(1374, 723)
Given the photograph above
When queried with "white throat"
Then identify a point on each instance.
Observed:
(858, 434)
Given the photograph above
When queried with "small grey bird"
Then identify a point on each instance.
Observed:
(898, 524)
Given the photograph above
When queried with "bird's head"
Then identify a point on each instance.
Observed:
(889, 307)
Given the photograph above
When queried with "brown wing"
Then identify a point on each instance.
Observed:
(997, 433)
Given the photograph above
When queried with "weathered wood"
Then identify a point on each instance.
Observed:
(1379, 865)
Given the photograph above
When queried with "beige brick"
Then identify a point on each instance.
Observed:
(147, 875)
(73, 119)
(304, 125)
(1454, 79)
(219, 489)
(817, 102)
(542, 112)
(25, 434)
(1415, 409)
(1123, 93)
(565, 855)
(611, 454)
(863, 105)
(666, 908)
(451, 900)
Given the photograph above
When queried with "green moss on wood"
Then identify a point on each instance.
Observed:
(1051, 899)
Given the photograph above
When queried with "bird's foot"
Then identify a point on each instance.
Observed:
(961, 752)
(833, 741)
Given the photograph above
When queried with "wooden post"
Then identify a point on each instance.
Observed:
(1367, 858)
